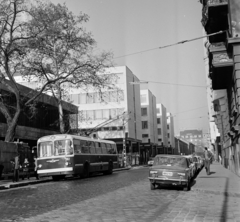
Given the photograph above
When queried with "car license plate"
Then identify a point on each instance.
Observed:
(167, 173)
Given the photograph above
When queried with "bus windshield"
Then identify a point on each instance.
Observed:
(56, 148)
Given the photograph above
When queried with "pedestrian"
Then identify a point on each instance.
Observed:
(1, 170)
(26, 170)
(207, 161)
(16, 168)
(35, 168)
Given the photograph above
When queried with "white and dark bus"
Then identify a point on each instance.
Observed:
(62, 154)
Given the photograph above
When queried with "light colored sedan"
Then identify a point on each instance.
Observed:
(170, 170)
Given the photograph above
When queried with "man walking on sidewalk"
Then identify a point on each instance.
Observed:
(208, 156)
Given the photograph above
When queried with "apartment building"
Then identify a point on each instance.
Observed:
(170, 131)
(149, 122)
(114, 113)
(162, 125)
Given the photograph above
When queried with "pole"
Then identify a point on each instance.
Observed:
(124, 146)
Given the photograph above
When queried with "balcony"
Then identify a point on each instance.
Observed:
(215, 18)
(221, 68)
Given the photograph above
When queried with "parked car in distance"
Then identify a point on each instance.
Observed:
(197, 162)
(170, 170)
(192, 166)
(150, 162)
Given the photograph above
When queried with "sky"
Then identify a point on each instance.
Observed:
(130, 26)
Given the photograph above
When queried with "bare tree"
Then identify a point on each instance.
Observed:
(15, 32)
(46, 41)
(62, 56)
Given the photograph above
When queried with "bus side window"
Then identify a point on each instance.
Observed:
(77, 147)
(104, 148)
(114, 149)
(92, 147)
(109, 148)
(84, 147)
(98, 147)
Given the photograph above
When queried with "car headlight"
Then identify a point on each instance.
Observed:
(40, 166)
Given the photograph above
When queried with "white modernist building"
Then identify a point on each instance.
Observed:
(162, 125)
(114, 113)
(170, 131)
(149, 121)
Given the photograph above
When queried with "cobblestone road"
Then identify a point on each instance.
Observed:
(121, 197)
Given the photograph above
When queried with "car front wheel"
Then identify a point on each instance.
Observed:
(152, 186)
(188, 186)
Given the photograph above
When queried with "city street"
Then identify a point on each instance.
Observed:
(123, 196)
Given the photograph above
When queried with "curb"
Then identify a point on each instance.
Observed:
(229, 194)
(15, 185)
(22, 184)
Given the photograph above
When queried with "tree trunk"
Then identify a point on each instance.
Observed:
(10, 134)
(61, 120)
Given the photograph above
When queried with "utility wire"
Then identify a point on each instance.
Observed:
(194, 118)
(176, 84)
(189, 110)
(166, 46)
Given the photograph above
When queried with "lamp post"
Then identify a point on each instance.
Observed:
(124, 146)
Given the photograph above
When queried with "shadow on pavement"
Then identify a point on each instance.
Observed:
(212, 173)
(225, 202)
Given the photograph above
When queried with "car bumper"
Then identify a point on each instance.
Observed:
(168, 181)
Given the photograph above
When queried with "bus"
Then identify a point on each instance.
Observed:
(63, 154)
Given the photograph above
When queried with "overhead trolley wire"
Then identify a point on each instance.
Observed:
(166, 46)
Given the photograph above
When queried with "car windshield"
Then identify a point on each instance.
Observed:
(170, 161)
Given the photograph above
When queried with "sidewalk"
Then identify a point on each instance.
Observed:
(220, 181)
(8, 184)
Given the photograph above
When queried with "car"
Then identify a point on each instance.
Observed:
(170, 170)
(197, 162)
(150, 162)
(192, 166)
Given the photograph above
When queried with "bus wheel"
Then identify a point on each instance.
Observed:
(110, 169)
(58, 177)
(85, 171)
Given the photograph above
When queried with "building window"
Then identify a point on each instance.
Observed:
(120, 111)
(113, 97)
(98, 114)
(158, 110)
(97, 97)
(144, 135)
(106, 114)
(159, 131)
(74, 98)
(113, 113)
(143, 98)
(167, 126)
(144, 111)
(105, 97)
(83, 98)
(120, 95)
(90, 114)
(168, 135)
(158, 121)
(159, 140)
(144, 124)
(90, 98)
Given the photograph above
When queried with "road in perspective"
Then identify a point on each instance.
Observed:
(122, 196)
